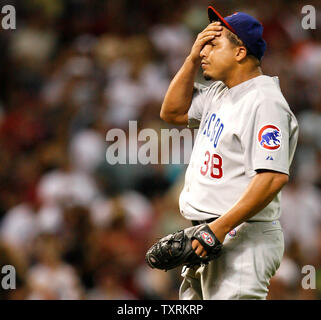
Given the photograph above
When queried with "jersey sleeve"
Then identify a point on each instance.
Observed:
(202, 95)
(266, 138)
(196, 109)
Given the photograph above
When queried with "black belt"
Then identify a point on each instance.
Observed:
(198, 222)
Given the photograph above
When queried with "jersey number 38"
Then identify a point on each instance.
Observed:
(214, 164)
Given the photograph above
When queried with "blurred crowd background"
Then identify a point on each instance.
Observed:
(76, 227)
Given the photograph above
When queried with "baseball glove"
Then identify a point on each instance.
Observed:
(176, 249)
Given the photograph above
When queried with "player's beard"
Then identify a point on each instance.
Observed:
(207, 77)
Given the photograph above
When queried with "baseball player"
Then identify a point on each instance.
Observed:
(240, 161)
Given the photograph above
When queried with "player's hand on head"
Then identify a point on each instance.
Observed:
(198, 248)
(209, 33)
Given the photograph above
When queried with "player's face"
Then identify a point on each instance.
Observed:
(218, 58)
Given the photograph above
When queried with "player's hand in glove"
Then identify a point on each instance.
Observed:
(176, 249)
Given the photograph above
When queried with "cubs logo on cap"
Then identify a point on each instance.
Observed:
(269, 137)
(207, 238)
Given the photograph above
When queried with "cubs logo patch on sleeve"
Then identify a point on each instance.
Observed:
(269, 137)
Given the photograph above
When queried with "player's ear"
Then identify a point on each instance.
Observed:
(240, 53)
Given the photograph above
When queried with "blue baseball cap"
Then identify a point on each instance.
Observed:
(247, 28)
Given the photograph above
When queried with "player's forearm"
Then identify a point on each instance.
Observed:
(179, 95)
(260, 192)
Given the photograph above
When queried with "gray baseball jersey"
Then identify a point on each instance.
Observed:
(241, 130)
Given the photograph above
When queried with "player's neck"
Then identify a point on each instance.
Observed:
(241, 76)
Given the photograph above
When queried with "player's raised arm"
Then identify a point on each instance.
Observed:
(179, 95)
